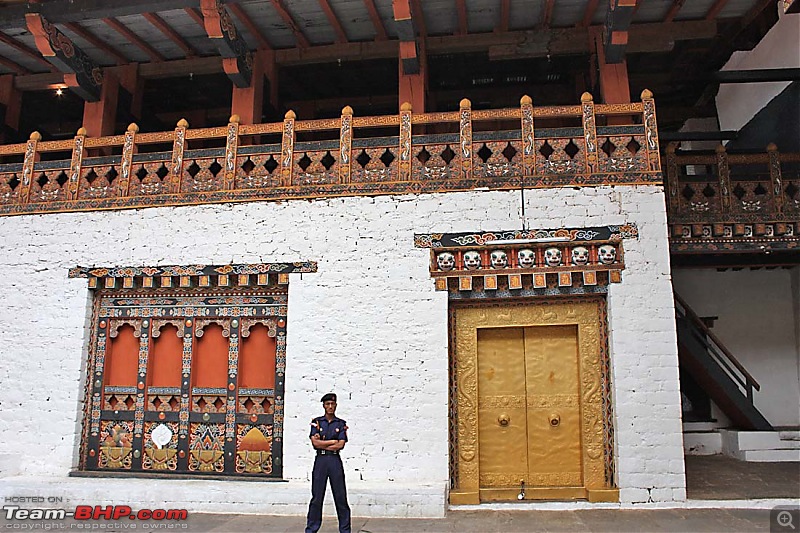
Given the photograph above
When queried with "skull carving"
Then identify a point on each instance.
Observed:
(499, 259)
(607, 254)
(446, 261)
(552, 256)
(472, 260)
(526, 258)
(580, 256)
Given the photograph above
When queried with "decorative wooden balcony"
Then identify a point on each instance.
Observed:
(407, 153)
(723, 202)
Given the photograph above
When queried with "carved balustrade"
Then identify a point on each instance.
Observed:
(347, 156)
(720, 201)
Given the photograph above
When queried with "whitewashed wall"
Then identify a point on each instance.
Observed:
(368, 326)
(737, 103)
(758, 319)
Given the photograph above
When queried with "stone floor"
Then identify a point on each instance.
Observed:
(717, 477)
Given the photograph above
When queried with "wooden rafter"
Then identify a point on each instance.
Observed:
(195, 16)
(715, 9)
(547, 13)
(19, 47)
(673, 10)
(302, 40)
(170, 32)
(375, 17)
(245, 19)
(17, 68)
(505, 16)
(419, 18)
(123, 30)
(461, 8)
(80, 73)
(588, 15)
(238, 60)
(341, 36)
(95, 41)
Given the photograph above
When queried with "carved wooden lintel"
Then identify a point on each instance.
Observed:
(238, 59)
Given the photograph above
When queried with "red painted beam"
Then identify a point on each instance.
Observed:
(134, 39)
(461, 7)
(341, 36)
(673, 10)
(245, 19)
(95, 41)
(302, 41)
(715, 9)
(380, 30)
(588, 15)
(195, 16)
(547, 14)
(419, 18)
(505, 16)
(170, 32)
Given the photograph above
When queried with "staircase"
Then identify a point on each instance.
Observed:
(715, 369)
(761, 445)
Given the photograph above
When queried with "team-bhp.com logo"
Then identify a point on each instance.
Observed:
(96, 512)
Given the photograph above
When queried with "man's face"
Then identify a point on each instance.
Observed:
(330, 407)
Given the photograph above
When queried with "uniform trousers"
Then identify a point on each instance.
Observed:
(328, 467)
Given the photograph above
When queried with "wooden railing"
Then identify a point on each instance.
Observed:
(347, 156)
(719, 188)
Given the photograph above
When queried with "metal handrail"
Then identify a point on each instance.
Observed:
(717, 349)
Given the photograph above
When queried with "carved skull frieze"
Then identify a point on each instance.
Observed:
(472, 260)
(607, 254)
(580, 256)
(526, 258)
(552, 257)
(499, 259)
(446, 261)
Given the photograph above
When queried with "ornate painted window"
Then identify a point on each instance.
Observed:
(186, 369)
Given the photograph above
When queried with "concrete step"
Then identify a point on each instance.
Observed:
(758, 440)
(789, 435)
(771, 455)
(700, 426)
(702, 443)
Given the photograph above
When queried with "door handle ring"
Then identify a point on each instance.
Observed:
(503, 420)
(555, 420)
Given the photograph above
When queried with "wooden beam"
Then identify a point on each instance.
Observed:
(245, 19)
(380, 30)
(715, 9)
(673, 10)
(588, 15)
(302, 40)
(82, 75)
(341, 36)
(407, 33)
(170, 32)
(618, 21)
(461, 8)
(16, 67)
(100, 117)
(19, 47)
(195, 16)
(95, 41)
(419, 18)
(505, 16)
(547, 13)
(133, 38)
(238, 60)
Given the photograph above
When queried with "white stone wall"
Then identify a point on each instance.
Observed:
(758, 320)
(368, 326)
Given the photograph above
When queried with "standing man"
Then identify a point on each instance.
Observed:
(328, 436)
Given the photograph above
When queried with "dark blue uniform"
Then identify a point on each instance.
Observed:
(328, 465)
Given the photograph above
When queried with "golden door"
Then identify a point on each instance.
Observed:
(528, 412)
(529, 402)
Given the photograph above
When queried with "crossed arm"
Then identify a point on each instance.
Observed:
(331, 445)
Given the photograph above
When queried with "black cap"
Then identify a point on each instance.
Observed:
(330, 397)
